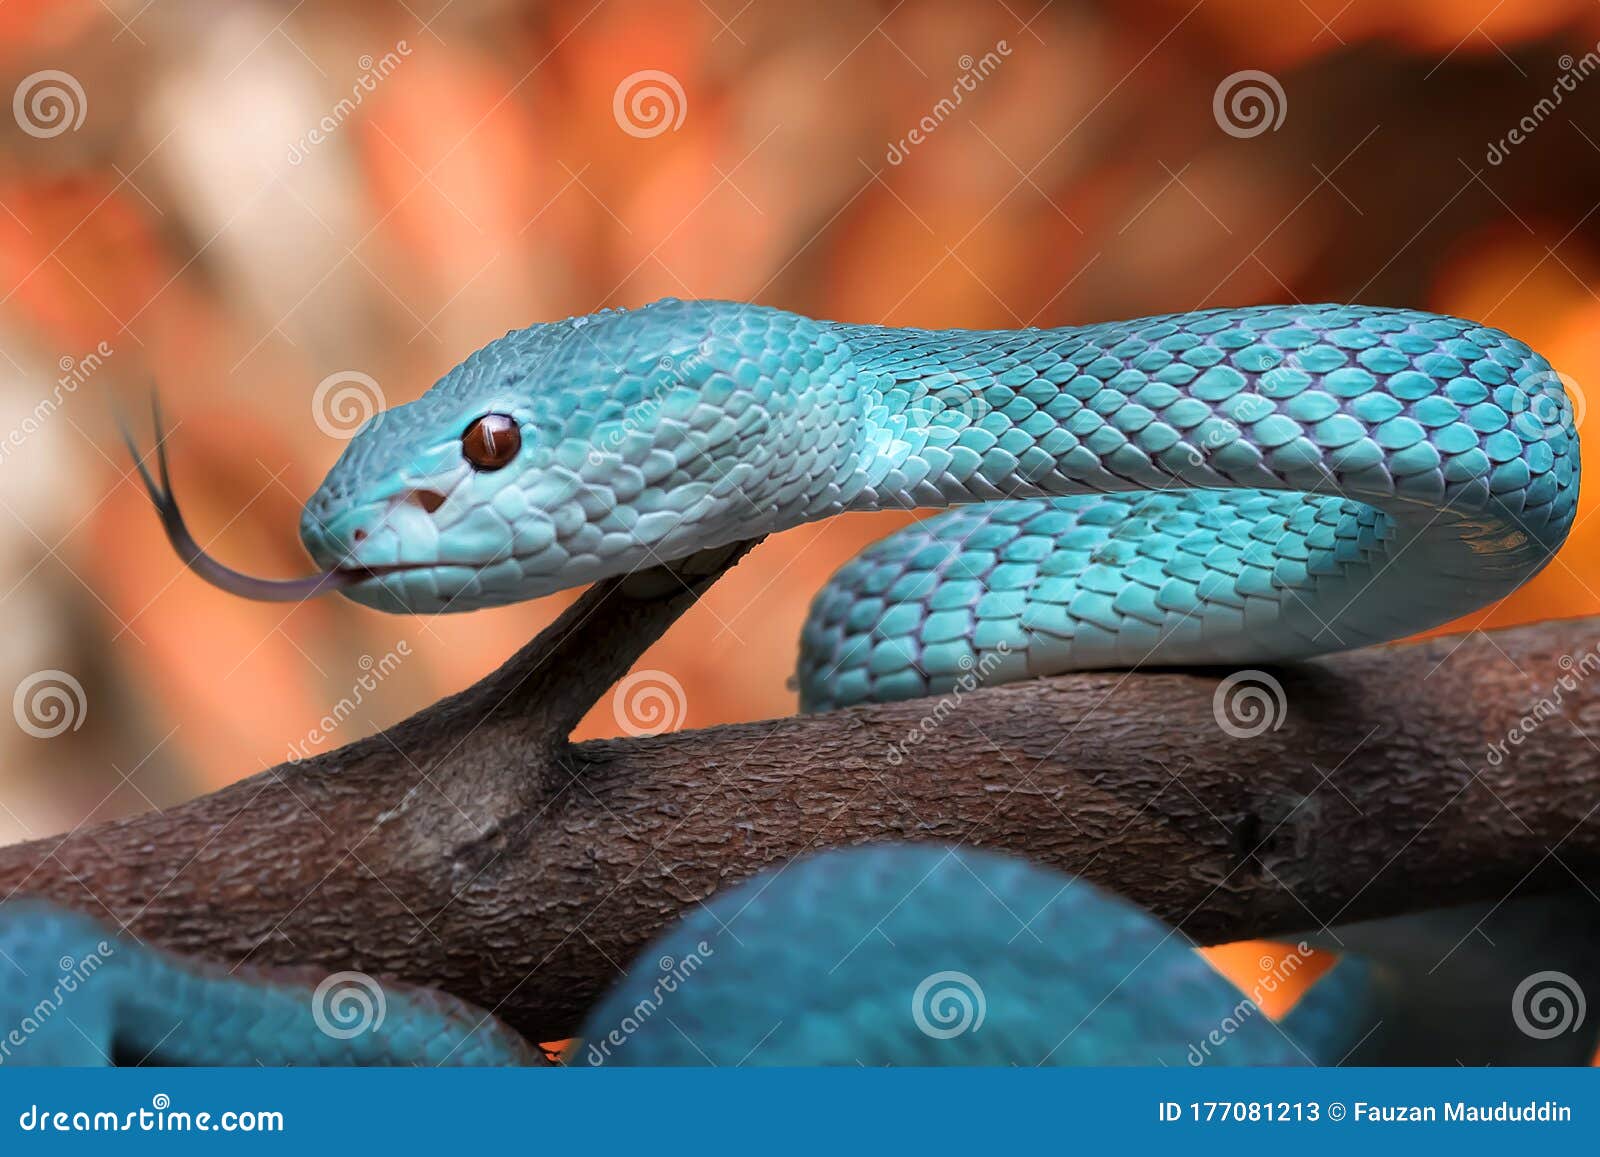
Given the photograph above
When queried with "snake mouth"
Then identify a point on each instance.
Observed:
(225, 577)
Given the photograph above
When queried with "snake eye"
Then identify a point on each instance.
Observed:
(491, 441)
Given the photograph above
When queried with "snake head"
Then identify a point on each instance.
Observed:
(574, 451)
(570, 452)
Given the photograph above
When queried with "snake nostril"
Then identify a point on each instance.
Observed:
(358, 535)
(429, 500)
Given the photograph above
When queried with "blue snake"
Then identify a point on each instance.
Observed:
(1240, 486)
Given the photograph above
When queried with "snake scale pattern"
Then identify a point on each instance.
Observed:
(1226, 487)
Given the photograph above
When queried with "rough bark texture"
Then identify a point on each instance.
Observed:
(471, 847)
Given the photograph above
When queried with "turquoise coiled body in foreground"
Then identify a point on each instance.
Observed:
(1053, 970)
(1229, 486)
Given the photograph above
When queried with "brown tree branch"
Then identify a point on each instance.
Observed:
(471, 847)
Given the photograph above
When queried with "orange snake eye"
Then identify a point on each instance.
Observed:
(491, 441)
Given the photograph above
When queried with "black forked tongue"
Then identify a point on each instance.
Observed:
(194, 556)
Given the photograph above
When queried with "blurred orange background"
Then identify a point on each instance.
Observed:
(269, 209)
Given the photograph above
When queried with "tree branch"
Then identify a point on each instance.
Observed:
(472, 848)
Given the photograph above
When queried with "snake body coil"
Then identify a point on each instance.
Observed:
(1228, 486)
